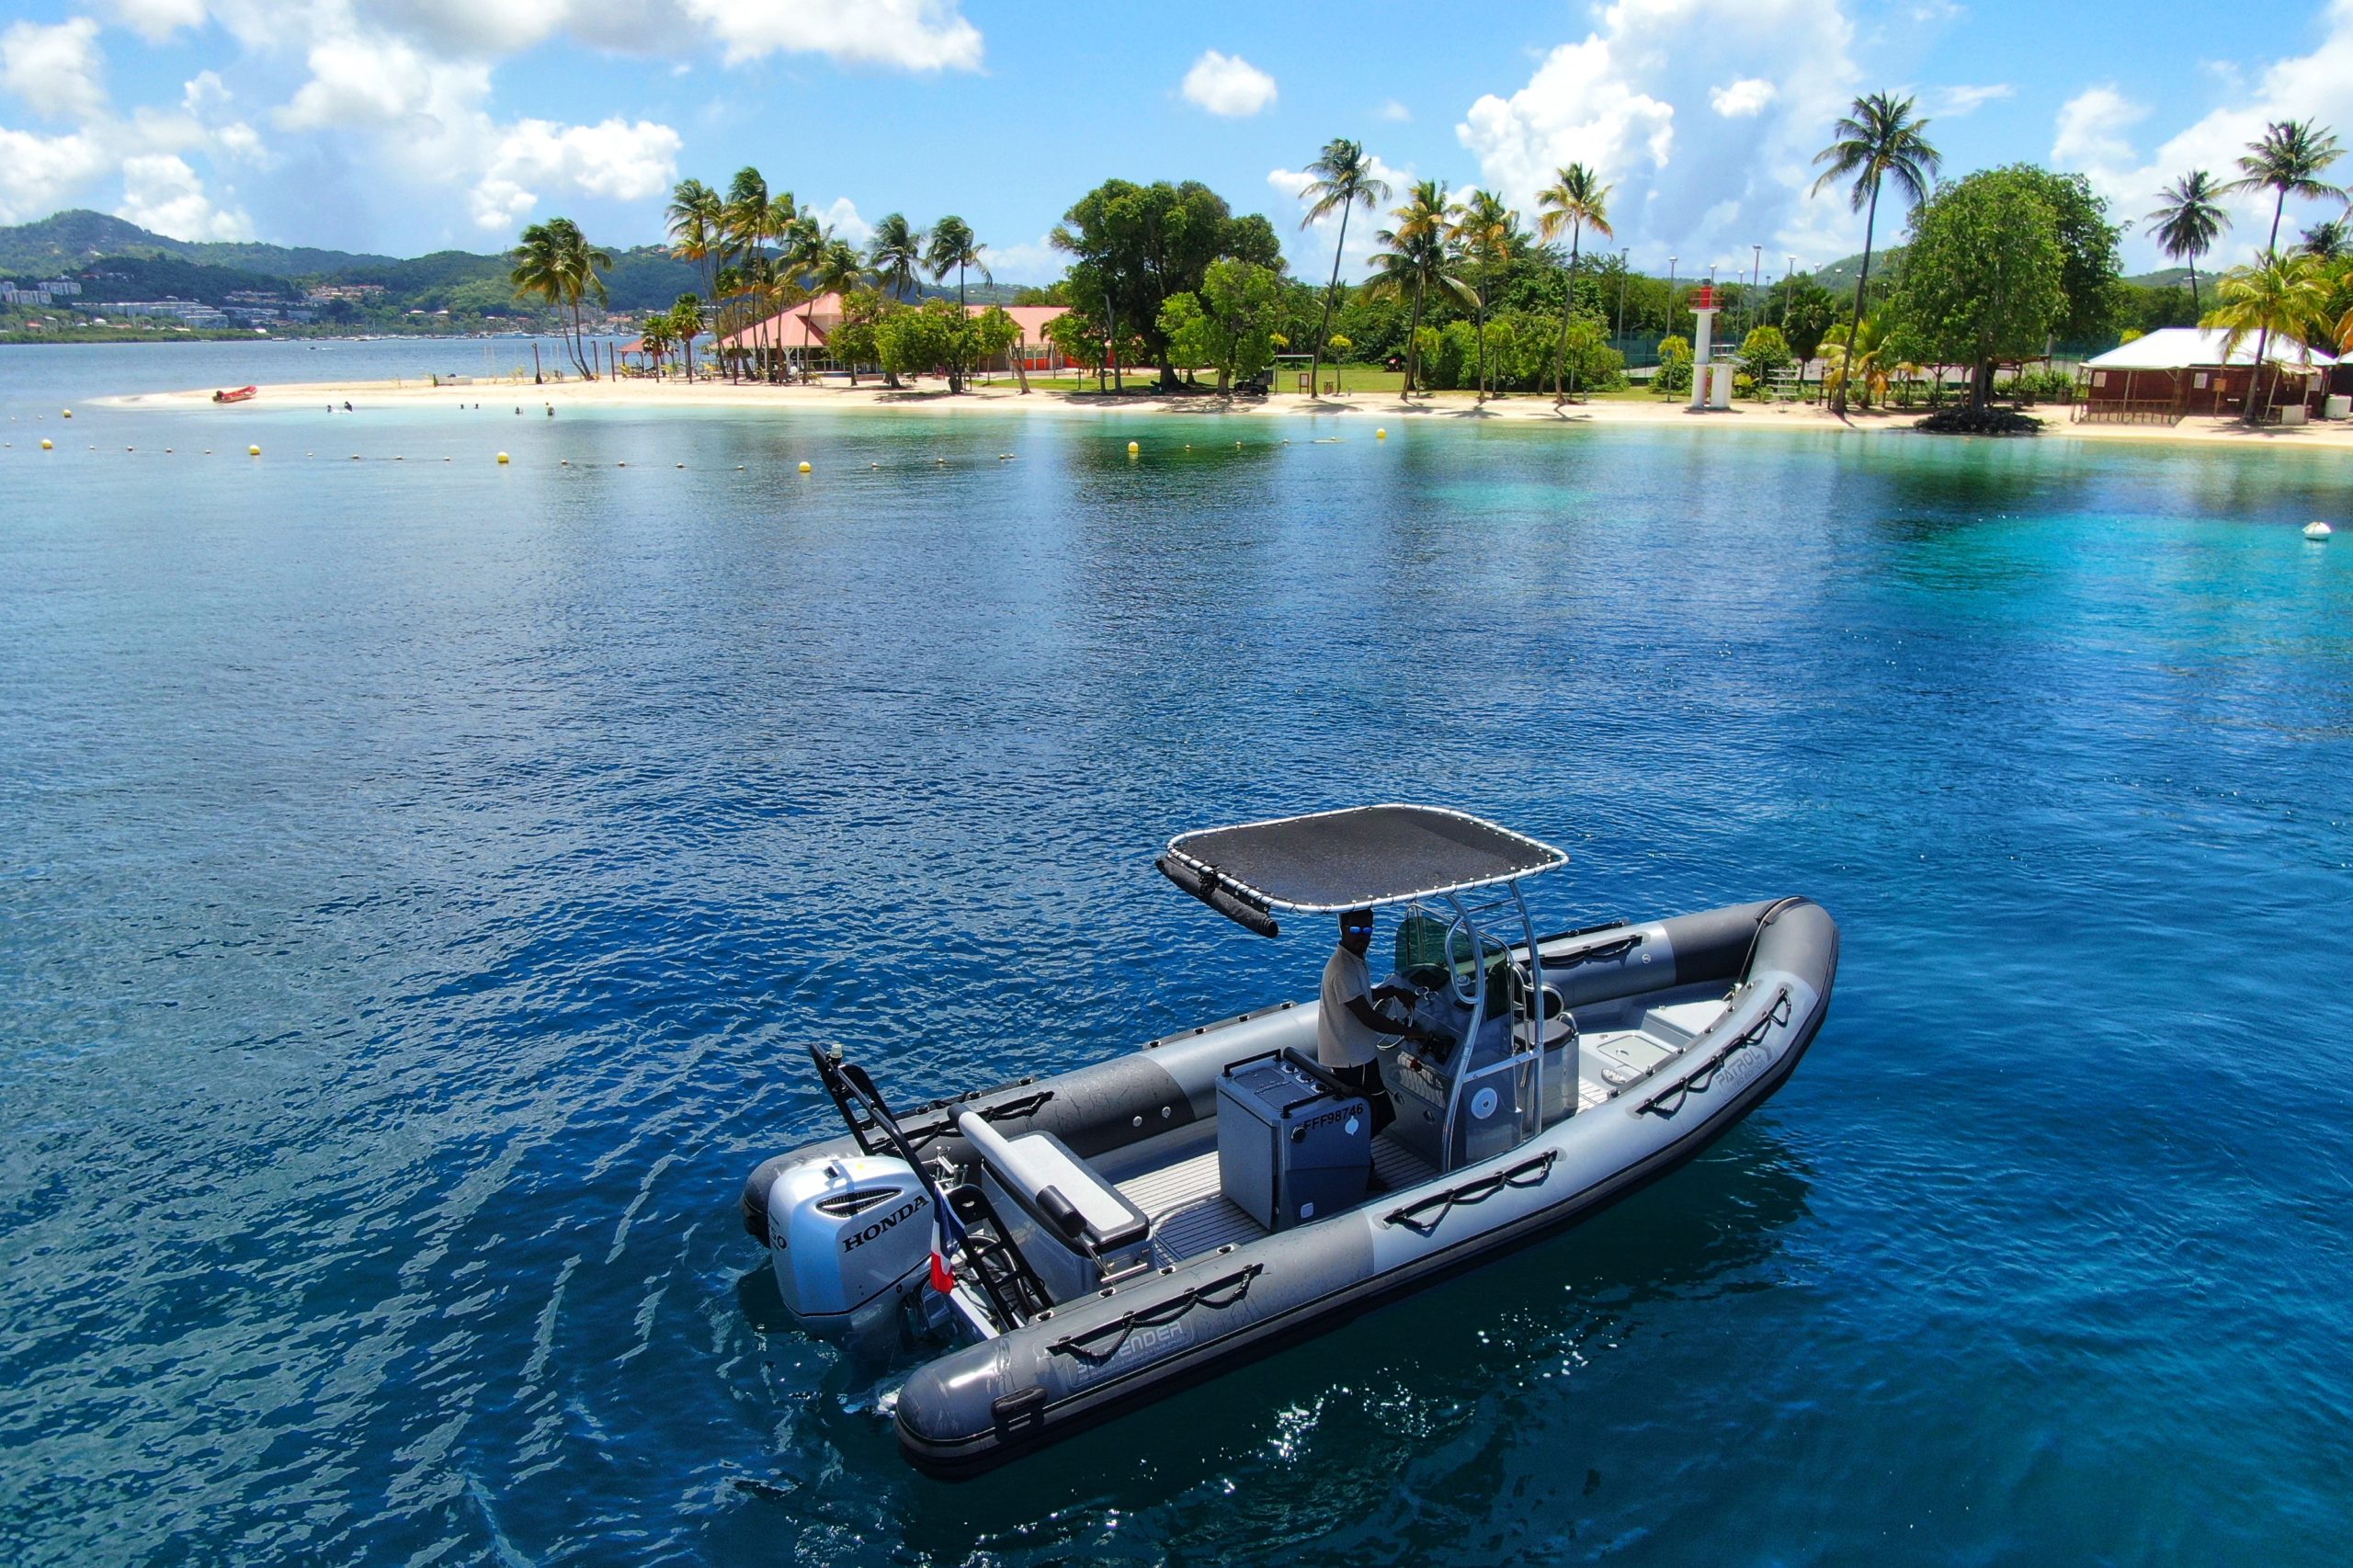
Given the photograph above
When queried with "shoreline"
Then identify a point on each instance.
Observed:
(1524, 408)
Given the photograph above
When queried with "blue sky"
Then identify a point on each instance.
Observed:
(411, 125)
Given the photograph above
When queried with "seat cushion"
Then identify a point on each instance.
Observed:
(1029, 1164)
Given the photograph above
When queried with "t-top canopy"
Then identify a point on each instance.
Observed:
(1332, 861)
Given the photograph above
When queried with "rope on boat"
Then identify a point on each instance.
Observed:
(1217, 1295)
(1528, 1173)
(1617, 948)
(1699, 1078)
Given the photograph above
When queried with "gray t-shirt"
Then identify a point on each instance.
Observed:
(1341, 1041)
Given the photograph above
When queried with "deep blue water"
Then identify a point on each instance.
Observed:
(420, 877)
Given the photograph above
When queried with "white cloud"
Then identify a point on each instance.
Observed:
(1314, 260)
(620, 161)
(370, 79)
(54, 70)
(910, 35)
(2093, 135)
(1035, 261)
(39, 174)
(1228, 85)
(1744, 98)
(843, 219)
(1951, 103)
(160, 191)
(157, 21)
(1395, 111)
(2094, 130)
(1706, 185)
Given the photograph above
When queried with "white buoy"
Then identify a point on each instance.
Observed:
(2317, 530)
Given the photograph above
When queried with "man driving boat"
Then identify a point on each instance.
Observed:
(1349, 1024)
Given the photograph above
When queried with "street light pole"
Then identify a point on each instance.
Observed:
(1622, 294)
(1670, 293)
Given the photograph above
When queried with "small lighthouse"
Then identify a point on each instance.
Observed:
(1711, 382)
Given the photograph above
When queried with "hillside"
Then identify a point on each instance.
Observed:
(73, 239)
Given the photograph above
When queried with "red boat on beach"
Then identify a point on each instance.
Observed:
(240, 395)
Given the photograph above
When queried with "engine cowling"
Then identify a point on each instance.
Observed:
(847, 1236)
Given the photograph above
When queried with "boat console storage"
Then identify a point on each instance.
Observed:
(1072, 1246)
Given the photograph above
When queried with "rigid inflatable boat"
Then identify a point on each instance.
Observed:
(1077, 1246)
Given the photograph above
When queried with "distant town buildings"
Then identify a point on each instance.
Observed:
(353, 291)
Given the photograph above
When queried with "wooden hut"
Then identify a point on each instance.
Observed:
(2183, 371)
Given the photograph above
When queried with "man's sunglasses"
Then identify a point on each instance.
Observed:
(1357, 930)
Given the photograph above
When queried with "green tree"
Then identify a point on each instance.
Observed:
(2287, 159)
(1984, 281)
(1482, 233)
(896, 254)
(697, 220)
(556, 262)
(2326, 239)
(953, 248)
(2189, 218)
(1134, 246)
(1229, 325)
(655, 339)
(2092, 273)
(684, 320)
(1807, 310)
(1411, 258)
(836, 268)
(923, 338)
(1576, 201)
(854, 339)
(1764, 351)
(994, 332)
(1344, 181)
(1854, 358)
(1878, 139)
(2286, 295)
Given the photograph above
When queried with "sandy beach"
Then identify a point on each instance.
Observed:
(1380, 408)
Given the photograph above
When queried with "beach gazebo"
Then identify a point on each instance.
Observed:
(2183, 371)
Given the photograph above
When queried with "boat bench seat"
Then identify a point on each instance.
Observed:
(1084, 1207)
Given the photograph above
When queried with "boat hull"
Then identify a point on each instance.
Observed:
(1090, 1359)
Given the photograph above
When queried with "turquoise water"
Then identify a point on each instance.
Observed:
(419, 877)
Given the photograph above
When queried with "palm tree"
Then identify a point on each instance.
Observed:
(1344, 180)
(1481, 232)
(697, 220)
(2286, 294)
(2327, 240)
(655, 339)
(537, 272)
(583, 267)
(952, 245)
(684, 319)
(2189, 218)
(1578, 200)
(837, 267)
(1855, 357)
(1877, 140)
(2289, 160)
(1412, 256)
(896, 254)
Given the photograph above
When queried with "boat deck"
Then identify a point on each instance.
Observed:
(1190, 1216)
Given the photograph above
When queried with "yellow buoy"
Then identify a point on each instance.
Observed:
(252, 451)
(502, 457)
(804, 468)
(1380, 435)
(1133, 449)
(47, 446)
(68, 412)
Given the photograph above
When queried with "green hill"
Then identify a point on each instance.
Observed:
(69, 239)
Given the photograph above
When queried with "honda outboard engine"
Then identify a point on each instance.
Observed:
(848, 1237)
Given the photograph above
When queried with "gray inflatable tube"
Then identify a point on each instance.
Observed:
(1750, 985)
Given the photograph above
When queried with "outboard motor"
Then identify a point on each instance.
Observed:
(848, 1237)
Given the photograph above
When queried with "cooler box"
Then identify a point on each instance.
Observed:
(1290, 1148)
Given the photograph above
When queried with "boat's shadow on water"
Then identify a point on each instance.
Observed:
(1412, 1377)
